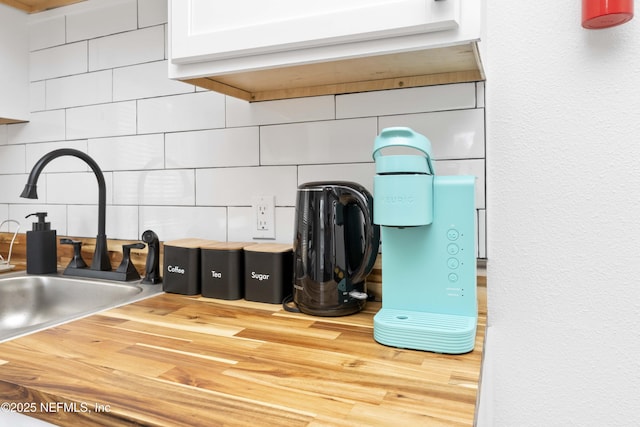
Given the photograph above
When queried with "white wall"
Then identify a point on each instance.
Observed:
(186, 162)
(563, 204)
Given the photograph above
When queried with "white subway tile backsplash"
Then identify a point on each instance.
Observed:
(78, 90)
(213, 148)
(106, 17)
(77, 188)
(56, 215)
(152, 12)
(406, 101)
(60, 164)
(187, 162)
(12, 185)
(166, 46)
(121, 222)
(83, 221)
(132, 47)
(172, 223)
(285, 218)
(46, 31)
(457, 134)
(473, 167)
(37, 96)
(155, 187)
(482, 233)
(237, 186)
(135, 152)
(242, 222)
(146, 81)
(96, 121)
(43, 126)
(242, 113)
(336, 141)
(361, 173)
(58, 61)
(10, 226)
(12, 159)
(480, 94)
(192, 111)
(4, 214)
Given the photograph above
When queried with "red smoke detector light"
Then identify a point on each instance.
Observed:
(597, 14)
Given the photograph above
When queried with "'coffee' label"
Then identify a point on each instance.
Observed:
(175, 269)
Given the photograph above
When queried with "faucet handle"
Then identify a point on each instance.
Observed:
(76, 261)
(130, 246)
(126, 266)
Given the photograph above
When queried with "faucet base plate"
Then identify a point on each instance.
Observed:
(99, 274)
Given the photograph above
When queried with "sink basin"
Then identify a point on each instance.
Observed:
(31, 303)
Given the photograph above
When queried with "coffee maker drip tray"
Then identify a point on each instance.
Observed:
(440, 333)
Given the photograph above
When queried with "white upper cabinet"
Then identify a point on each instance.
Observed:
(231, 29)
(14, 66)
(258, 50)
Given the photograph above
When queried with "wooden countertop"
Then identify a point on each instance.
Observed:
(174, 360)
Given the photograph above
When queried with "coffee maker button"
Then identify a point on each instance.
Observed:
(453, 277)
(453, 263)
(453, 234)
(452, 248)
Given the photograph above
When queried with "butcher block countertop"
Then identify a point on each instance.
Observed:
(173, 360)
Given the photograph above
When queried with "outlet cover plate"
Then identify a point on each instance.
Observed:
(264, 212)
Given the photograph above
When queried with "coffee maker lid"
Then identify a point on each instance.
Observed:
(404, 163)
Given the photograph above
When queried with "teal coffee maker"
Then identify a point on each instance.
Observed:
(428, 234)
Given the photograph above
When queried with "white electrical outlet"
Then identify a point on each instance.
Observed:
(264, 212)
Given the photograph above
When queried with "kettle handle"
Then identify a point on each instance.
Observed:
(364, 202)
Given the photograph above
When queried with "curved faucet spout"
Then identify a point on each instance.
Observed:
(100, 256)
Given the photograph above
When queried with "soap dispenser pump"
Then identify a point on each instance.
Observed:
(42, 253)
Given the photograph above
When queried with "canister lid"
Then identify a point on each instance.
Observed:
(269, 247)
(226, 246)
(188, 243)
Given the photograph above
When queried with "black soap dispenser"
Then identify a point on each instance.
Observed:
(42, 252)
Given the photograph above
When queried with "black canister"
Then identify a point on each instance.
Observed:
(182, 266)
(42, 250)
(222, 270)
(268, 272)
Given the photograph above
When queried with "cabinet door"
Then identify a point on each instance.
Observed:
(14, 66)
(204, 30)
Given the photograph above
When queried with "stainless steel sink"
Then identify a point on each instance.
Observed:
(31, 303)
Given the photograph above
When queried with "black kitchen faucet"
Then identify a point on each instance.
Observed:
(101, 260)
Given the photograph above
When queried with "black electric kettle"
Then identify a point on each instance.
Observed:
(335, 246)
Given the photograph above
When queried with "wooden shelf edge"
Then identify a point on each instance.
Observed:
(33, 6)
(427, 67)
(340, 88)
(368, 86)
(5, 121)
(211, 84)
